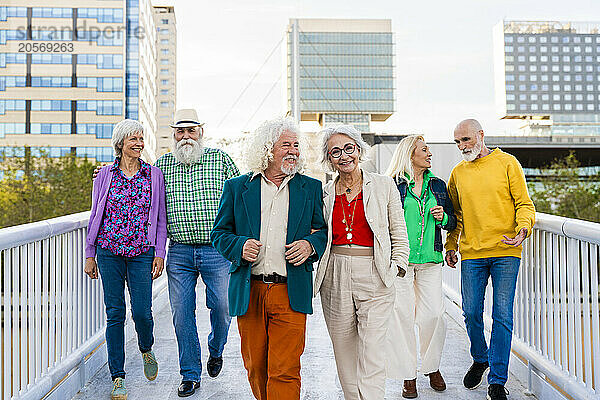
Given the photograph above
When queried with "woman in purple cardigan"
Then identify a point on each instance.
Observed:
(127, 233)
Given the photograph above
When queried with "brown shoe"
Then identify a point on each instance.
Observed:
(409, 391)
(436, 381)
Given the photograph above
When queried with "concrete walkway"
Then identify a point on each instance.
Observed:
(319, 379)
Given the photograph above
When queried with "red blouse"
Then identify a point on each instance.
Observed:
(362, 235)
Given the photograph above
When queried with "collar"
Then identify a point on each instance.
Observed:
(144, 167)
(262, 173)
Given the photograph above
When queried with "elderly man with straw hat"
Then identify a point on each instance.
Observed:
(194, 179)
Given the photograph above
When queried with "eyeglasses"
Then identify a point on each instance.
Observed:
(336, 152)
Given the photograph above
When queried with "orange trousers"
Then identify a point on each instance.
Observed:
(272, 340)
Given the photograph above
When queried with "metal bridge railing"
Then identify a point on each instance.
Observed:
(556, 315)
(53, 315)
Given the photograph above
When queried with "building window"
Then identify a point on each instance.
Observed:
(164, 71)
(164, 61)
(164, 104)
(164, 52)
(114, 15)
(164, 82)
(164, 92)
(164, 21)
(164, 41)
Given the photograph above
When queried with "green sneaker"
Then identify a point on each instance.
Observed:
(150, 365)
(119, 391)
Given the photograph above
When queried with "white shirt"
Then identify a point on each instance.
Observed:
(274, 205)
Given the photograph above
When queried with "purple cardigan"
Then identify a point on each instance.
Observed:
(157, 219)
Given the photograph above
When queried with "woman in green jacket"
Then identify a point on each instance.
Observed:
(419, 297)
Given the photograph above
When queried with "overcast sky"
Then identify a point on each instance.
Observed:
(444, 63)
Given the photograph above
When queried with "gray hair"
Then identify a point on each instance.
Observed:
(259, 145)
(347, 130)
(122, 131)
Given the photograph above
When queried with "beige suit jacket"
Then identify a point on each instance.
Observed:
(385, 216)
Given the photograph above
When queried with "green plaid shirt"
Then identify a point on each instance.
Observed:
(193, 193)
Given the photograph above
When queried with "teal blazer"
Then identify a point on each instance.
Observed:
(238, 220)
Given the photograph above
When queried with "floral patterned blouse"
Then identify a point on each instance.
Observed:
(124, 229)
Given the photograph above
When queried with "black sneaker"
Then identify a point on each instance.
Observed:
(214, 365)
(474, 375)
(187, 388)
(496, 392)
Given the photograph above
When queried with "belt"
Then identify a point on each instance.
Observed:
(273, 278)
(360, 251)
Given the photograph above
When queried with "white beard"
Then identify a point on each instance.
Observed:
(474, 152)
(292, 169)
(188, 154)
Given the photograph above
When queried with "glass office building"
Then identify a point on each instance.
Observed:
(166, 27)
(547, 73)
(69, 73)
(340, 71)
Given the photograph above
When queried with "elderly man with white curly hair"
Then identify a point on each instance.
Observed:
(194, 179)
(270, 226)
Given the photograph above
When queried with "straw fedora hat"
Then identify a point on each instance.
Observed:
(186, 118)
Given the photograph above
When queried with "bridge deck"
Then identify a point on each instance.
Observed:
(318, 366)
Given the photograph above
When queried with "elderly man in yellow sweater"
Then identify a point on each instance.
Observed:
(494, 215)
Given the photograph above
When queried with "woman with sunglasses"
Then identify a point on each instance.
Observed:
(367, 247)
(419, 297)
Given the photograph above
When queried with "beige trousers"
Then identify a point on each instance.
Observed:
(357, 307)
(420, 302)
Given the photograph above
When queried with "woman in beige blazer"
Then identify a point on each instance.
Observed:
(367, 247)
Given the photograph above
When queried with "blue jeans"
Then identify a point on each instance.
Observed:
(474, 279)
(137, 271)
(184, 264)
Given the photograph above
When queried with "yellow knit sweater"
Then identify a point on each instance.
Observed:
(490, 199)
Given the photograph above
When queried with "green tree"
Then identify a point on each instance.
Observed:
(39, 187)
(563, 190)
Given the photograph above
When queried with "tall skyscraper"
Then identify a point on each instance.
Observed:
(547, 73)
(69, 72)
(340, 71)
(164, 18)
